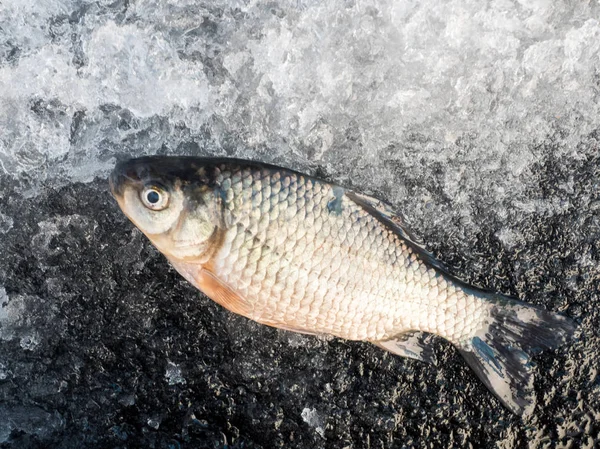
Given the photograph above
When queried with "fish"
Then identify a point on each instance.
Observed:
(291, 251)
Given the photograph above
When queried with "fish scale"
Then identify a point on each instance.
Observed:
(372, 303)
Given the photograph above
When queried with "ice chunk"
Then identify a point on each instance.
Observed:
(6, 223)
(154, 422)
(509, 237)
(314, 420)
(29, 341)
(11, 314)
(58, 229)
(173, 374)
(15, 319)
(142, 71)
(4, 372)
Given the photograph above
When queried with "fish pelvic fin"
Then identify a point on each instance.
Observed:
(500, 352)
(414, 345)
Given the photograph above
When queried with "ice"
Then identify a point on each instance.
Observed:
(46, 239)
(30, 342)
(314, 420)
(173, 374)
(11, 314)
(154, 423)
(15, 321)
(6, 223)
(28, 419)
(334, 83)
(4, 372)
(140, 72)
(509, 237)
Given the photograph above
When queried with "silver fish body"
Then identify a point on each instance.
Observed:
(307, 256)
(291, 251)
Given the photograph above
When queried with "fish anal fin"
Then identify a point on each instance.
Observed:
(414, 345)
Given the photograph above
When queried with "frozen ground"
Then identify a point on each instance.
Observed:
(479, 120)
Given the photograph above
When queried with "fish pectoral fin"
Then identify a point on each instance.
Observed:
(222, 294)
(414, 345)
(204, 279)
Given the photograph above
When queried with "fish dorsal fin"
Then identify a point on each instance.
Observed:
(379, 208)
(202, 277)
(414, 345)
(392, 220)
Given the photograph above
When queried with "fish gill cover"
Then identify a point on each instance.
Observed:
(480, 121)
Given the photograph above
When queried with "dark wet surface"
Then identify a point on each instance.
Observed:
(104, 345)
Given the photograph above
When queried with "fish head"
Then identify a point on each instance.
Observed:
(172, 201)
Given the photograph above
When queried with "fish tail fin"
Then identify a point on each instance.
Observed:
(499, 352)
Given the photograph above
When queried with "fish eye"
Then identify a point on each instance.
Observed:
(154, 198)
